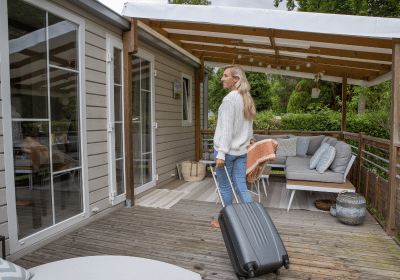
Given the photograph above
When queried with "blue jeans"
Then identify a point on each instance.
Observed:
(236, 166)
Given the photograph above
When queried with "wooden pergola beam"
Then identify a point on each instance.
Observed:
(199, 49)
(394, 158)
(336, 71)
(313, 50)
(273, 45)
(283, 34)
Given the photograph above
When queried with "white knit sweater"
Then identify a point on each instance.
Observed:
(233, 132)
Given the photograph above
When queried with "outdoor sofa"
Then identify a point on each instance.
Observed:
(295, 160)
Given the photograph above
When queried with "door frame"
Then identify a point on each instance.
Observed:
(149, 57)
(111, 43)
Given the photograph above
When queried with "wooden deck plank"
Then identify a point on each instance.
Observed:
(319, 246)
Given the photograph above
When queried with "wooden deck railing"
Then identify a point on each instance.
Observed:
(371, 185)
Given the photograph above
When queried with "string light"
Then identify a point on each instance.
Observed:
(269, 66)
(308, 65)
(298, 67)
(251, 59)
(239, 56)
(287, 68)
(260, 64)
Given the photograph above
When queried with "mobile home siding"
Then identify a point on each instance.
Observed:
(174, 142)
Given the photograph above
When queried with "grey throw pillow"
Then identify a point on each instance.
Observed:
(286, 148)
(317, 156)
(342, 158)
(330, 140)
(259, 137)
(326, 159)
(302, 145)
(315, 143)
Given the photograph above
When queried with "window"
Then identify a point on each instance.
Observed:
(186, 100)
(45, 117)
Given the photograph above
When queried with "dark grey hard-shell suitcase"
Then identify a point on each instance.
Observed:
(251, 239)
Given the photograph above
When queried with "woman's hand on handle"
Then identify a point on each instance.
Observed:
(219, 163)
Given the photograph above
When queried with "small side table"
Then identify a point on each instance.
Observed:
(265, 176)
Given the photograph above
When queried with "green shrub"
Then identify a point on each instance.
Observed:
(263, 120)
(322, 120)
(298, 101)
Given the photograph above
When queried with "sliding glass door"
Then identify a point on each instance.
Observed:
(143, 121)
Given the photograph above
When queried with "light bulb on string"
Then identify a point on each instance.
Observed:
(239, 56)
(287, 68)
(269, 66)
(260, 64)
(308, 65)
(251, 59)
(298, 67)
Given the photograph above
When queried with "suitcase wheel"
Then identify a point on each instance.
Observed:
(277, 273)
(286, 264)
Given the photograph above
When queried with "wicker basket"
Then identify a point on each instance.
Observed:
(193, 171)
(324, 204)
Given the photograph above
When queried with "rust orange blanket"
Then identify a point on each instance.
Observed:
(259, 152)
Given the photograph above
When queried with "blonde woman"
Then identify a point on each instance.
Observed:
(233, 134)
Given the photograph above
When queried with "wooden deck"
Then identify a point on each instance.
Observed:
(319, 246)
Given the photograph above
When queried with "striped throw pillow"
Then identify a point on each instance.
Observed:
(11, 271)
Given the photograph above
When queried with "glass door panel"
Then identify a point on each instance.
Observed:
(142, 122)
(45, 117)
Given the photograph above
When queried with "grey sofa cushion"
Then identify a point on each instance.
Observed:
(304, 173)
(280, 160)
(259, 137)
(315, 143)
(342, 158)
(329, 140)
(298, 161)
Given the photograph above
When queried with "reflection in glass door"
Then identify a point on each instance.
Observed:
(45, 118)
(142, 122)
(116, 121)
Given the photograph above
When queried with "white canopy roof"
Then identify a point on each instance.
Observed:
(282, 42)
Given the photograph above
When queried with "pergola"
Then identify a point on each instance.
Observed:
(347, 49)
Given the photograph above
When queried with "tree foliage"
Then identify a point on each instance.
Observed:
(281, 89)
(190, 2)
(260, 90)
(376, 8)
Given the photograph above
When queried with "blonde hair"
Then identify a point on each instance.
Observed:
(243, 87)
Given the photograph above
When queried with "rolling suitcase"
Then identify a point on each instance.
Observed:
(252, 241)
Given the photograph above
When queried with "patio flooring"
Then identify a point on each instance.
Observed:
(319, 246)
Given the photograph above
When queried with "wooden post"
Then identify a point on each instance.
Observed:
(130, 46)
(344, 105)
(361, 147)
(394, 139)
(197, 104)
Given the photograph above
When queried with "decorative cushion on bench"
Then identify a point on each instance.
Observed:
(302, 145)
(317, 156)
(342, 158)
(326, 159)
(287, 147)
(315, 143)
(304, 173)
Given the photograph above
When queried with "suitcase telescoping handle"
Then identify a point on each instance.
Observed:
(230, 182)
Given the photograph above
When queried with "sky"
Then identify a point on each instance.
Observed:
(117, 5)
